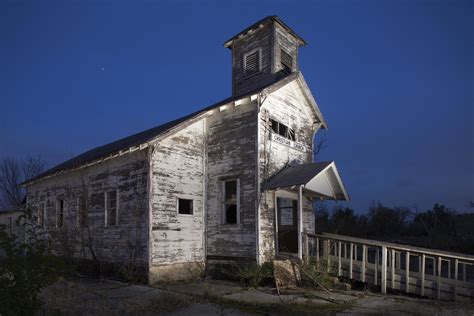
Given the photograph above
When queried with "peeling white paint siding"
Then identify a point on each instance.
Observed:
(178, 172)
(288, 106)
(118, 244)
(231, 154)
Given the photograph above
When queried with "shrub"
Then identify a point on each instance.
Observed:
(26, 266)
(256, 275)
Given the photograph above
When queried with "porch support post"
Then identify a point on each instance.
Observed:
(300, 222)
(384, 270)
(276, 224)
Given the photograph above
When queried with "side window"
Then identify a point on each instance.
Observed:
(252, 62)
(185, 207)
(81, 211)
(41, 215)
(111, 208)
(283, 130)
(231, 201)
(60, 213)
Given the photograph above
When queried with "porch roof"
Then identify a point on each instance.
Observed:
(320, 179)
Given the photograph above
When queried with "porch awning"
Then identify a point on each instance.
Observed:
(320, 179)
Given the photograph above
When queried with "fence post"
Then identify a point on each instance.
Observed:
(364, 260)
(422, 275)
(384, 270)
(407, 272)
(339, 260)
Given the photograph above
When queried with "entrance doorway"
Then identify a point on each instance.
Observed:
(287, 225)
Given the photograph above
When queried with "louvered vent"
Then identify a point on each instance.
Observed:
(286, 62)
(252, 63)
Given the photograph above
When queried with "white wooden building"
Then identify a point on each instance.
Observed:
(234, 181)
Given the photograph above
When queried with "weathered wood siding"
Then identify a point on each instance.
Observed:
(288, 106)
(231, 148)
(126, 242)
(260, 39)
(287, 42)
(177, 166)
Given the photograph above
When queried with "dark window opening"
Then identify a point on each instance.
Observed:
(286, 62)
(82, 212)
(60, 214)
(283, 130)
(185, 206)
(252, 63)
(231, 202)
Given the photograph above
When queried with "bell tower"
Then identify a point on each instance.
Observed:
(262, 54)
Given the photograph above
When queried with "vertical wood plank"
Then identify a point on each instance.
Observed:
(376, 267)
(300, 222)
(438, 285)
(364, 260)
(384, 270)
(456, 278)
(392, 277)
(339, 261)
(422, 290)
(407, 272)
(351, 260)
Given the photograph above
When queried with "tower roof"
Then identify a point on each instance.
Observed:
(272, 18)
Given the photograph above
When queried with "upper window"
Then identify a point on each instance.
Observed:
(185, 207)
(111, 208)
(81, 212)
(252, 63)
(41, 215)
(60, 213)
(286, 62)
(283, 130)
(231, 201)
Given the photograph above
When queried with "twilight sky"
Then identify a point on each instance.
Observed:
(394, 80)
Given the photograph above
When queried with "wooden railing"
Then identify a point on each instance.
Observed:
(426, 272)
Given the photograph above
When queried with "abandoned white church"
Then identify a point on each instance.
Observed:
(232, 182)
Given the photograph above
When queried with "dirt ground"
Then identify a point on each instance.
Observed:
(82, 296)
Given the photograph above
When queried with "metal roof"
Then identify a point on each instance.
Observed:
(320, 178)
(137, 139)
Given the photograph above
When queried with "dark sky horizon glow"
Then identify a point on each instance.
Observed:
(394, 80)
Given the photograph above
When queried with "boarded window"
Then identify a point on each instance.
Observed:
(60, 213)
(111, 204)
(252, 63)
(185, 207)
(81, 211)
(283, 130)
(231, 201)
(41, 215)
(286, 62)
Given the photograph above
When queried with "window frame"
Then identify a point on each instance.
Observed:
(79, 211)
(177, 206)
(289, 131)
(58, 206)
(223, 202)
(259, 58)
(106, 208)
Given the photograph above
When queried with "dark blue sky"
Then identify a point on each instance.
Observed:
(394, 80)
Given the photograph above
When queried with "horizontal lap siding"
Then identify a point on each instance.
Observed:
(121, 243)
(289, 107)
(231, 152)
(177, 172)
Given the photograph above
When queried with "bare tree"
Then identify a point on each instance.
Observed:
(14, 172)
(319, 146)
(10, 177)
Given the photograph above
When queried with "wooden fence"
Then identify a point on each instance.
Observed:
(426, 272)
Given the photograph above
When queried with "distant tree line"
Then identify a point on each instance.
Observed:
(438, 227)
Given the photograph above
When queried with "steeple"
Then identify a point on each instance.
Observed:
(262, 54)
